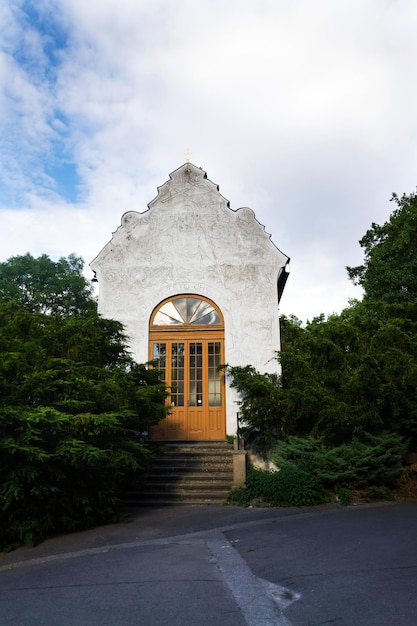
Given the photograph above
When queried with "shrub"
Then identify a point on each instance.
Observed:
(239, 495)
(260, 413)
(373, 460)
(73, 403)
(62, 472)
(343, 495)
(288, 487)
(309, 471)
(377, 493)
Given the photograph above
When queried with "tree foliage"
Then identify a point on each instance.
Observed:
(354, 373)
(73, 405)
(260, 416)
(389, 271)
(310, 472)
(42, 285)
(369, 461)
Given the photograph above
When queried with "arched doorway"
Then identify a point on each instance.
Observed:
(186, 335)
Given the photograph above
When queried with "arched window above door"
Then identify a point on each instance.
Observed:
(186, 311)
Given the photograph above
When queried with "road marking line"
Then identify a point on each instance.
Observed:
(253, 596)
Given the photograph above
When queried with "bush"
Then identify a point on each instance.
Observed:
(287, 487)
(373, 460)
(377, 493)
(260, 413)
(73, 403)
(62, 472)
(240, 496)
(310, 471)
(343, 495)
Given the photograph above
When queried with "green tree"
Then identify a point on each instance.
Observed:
(73, 406)
(353, 373)
(40, 284)
(389, 271)
(261, 419)
(344, 410)
(342, 377)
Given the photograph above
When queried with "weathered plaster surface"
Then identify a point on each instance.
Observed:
(190, 241)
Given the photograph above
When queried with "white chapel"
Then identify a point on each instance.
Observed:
(196, 285)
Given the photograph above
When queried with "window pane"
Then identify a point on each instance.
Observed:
(181, 306)
(196, 373)
(186, 311)
(193, 395)
(214, 376)
(209, 318)
(162, 319)
(168, 314)
(203, 309)
(199, 393)
(193, 305)
(159, 349)
(177, 374)
(159, 352)
(215, 400)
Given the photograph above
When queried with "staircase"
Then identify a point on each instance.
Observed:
(196, 473)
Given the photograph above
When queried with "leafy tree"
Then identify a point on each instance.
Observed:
(389, 278)
(260, 416)
(353, 373)
(310, 472)
(342, 377)
(47, 286)
(73, 405)
(389, 271)
(373, 460)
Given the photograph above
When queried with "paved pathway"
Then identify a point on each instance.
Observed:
(180, 566)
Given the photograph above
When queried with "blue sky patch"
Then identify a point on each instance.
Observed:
(66, 179)
(42, 54)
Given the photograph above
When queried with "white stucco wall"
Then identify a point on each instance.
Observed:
(190, 241)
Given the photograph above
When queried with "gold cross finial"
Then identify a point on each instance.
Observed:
(188, 154)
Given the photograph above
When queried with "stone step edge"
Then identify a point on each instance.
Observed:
(196, 491)
(174, 501)
(181, 463)
(203, 476)
(183, 488)
(155, 498)
(190, 453)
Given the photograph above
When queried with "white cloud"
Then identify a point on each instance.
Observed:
(303, 111)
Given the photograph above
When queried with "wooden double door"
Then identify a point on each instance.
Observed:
(189, 363)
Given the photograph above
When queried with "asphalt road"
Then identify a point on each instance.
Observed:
(204, 566)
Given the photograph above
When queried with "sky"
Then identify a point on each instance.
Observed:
(303, 110)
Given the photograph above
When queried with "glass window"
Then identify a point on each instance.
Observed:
(177, 374)
(196, 373)
(159, 355)
(186, 310)
(214, 386)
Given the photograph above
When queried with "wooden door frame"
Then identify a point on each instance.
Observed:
(192, 426)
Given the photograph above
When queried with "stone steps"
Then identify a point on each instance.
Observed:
(196, 473)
